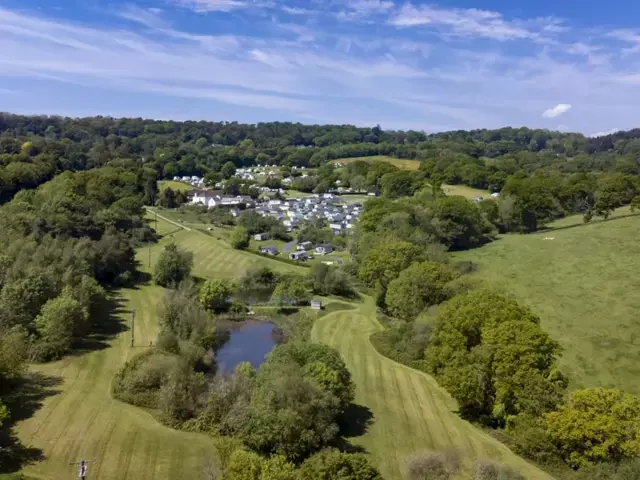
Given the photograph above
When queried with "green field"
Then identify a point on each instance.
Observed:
(410, 412)
(582, 281)
(464, 191)
(398, 162)
(175, 186)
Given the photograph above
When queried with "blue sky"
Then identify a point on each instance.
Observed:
(460, 64)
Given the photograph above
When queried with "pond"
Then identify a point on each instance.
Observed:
(249, 341)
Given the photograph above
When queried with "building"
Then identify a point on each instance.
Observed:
(269, 250)
(305, 246)
(324, 249)
(316, 305)
(260, 237)
(298, 256)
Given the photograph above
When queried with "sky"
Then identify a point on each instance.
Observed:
(429, 66)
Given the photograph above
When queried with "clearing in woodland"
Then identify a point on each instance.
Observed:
(581, 279)
(401, 163)
(410, 411)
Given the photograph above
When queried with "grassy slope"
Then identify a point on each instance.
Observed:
(464, 191)
(84, 421)
(175, 186)
(584, 285)
(398, 162)
(410, 411)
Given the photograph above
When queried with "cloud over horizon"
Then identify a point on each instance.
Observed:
(402, 65)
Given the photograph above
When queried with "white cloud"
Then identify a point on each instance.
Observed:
(149, 17)
(463, 22)
(206, 6)
(603, 134)
(556, 111)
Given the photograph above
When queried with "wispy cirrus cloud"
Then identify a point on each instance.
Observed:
(458, 21)
(207, 6)
(298, 63)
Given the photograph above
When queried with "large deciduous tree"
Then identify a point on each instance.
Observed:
(173, 266)
(417, 287)
(596, 425)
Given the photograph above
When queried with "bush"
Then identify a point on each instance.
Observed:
(488, 470)
(139, 380)
(332, 464)
(214, 295)
(442, 465)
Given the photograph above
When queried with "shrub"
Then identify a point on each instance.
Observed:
(140, 379)
(488, 470)
(442, 465)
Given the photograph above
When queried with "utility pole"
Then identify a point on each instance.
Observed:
(133, 324)
(84, 465)
(156, 213)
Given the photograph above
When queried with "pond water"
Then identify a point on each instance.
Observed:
(248, 342)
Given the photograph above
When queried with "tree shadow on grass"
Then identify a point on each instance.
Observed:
(110, 321)
(23, 400)
(545, 229)
(355, 422)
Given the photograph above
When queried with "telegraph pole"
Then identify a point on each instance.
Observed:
(83, 467)
(133, 324)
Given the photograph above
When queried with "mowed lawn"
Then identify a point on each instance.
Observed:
(583, 282)
(410, 412)
(84, 421)
(401, 163)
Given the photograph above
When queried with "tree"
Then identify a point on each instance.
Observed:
(168, 198)
(240, 238)
(228, 170)
(173, 266)
(214, 295)
(290, 291)
(333, 464)
(56, 323)
(635, 204)
(417, 287)
(494, 358)
(384, 263)
(596, 425)
(460, 223)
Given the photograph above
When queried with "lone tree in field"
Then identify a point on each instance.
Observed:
(173, 266)
(214, 295)
(240, 238)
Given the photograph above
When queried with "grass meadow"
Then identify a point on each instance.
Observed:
(175, 186)
(401, 163)
(582, 280)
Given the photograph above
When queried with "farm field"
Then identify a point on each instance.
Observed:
(401, 163)
(582, 281)
(175, 186)
(410, 411)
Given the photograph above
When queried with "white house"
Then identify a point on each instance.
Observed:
(298, 256)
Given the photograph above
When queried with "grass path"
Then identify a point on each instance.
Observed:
(410, 411)
(84, 421)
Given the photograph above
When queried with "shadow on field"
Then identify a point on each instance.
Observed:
(107, 324)
(23, 401)
(354, 423)
(582, 224)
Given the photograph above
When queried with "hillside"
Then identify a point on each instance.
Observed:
(581, 280)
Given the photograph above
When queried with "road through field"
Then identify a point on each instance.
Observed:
(410, 411)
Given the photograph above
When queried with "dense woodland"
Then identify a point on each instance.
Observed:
(73, 194)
